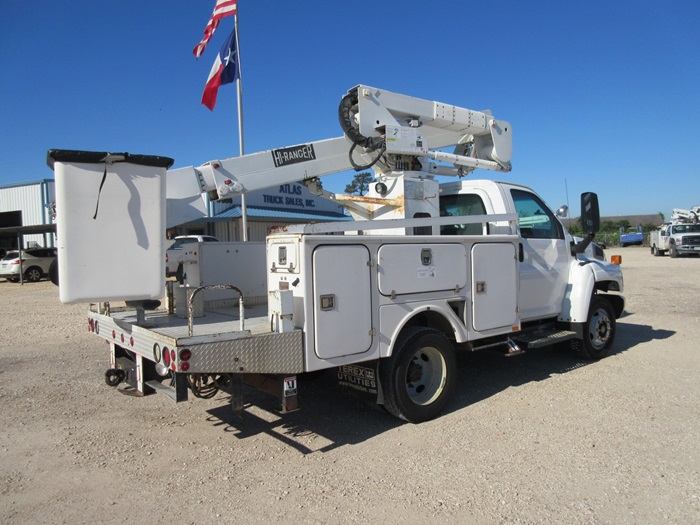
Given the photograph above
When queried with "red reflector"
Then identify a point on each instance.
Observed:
(185, 354)
(172, 356)
(131, 341)
(184, 366)
(114, 334)
(122, 338)
(166, 356)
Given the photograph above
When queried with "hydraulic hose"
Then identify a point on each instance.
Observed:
(346, 104)
(346, 124)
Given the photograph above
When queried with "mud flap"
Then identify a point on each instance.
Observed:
(362, 380)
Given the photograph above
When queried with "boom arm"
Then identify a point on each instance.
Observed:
(385, 131)
(689, 216)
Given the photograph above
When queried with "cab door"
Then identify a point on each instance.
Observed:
(544, 268)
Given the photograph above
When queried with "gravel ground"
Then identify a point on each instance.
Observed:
(540, 438)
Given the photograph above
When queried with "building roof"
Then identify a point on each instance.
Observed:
(653, 219)
(635, 220)
(26, 183)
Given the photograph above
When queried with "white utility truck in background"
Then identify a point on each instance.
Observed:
(424, 270)
(679, 237)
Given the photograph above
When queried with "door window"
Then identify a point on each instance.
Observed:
(535, 219)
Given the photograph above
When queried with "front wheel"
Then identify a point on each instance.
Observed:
(599, 330)
(418, 378)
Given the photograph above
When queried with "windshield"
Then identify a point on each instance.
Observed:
(179, 242)
(189, 240)
(686, 228)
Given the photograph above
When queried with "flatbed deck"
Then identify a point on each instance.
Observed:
(219, 322)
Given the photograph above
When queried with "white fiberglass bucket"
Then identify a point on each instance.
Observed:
(110, 214)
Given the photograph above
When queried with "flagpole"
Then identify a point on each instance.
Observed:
(239, 85)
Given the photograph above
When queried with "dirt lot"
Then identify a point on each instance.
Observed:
(541, 438)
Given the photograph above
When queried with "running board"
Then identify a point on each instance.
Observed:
(543, 337)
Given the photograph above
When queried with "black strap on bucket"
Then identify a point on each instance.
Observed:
(110, 158)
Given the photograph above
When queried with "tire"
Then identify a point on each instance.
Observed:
(33, 274)
(599, 330)
(114, 376)
(656, 251)
(674, 253)
(419, 377)
(53, 272)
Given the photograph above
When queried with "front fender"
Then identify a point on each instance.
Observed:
(586, 277)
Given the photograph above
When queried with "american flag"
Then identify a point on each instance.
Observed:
(223, 8)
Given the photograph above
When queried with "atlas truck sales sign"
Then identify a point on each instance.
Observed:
(285, 197)
(289, 195)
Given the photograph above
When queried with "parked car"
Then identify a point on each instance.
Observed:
(35, 264)
(173, 255)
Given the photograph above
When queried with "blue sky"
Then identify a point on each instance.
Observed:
(602, 96)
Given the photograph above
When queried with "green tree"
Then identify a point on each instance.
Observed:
(360, 183)
(575, 228)
(608, 226)
(624, 224)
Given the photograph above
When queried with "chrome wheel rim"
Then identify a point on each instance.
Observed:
(426, 375)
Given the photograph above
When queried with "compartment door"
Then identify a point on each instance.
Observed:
(342, 301)
(494, 286)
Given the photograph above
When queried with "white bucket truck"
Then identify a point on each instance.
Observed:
(424, 270)
(679, 237)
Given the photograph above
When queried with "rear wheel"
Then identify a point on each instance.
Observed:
(33, 274)
(418, 378)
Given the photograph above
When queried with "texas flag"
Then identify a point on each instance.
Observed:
(224, 71)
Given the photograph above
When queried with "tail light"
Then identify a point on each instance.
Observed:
(185, 355)
(166, 356)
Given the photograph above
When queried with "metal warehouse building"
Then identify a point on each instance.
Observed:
(27, 204)
(33, 204)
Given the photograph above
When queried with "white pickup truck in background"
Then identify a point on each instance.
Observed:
(679, 237)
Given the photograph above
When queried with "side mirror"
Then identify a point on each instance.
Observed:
(590, 221)
(590, 213)
(563, 211)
